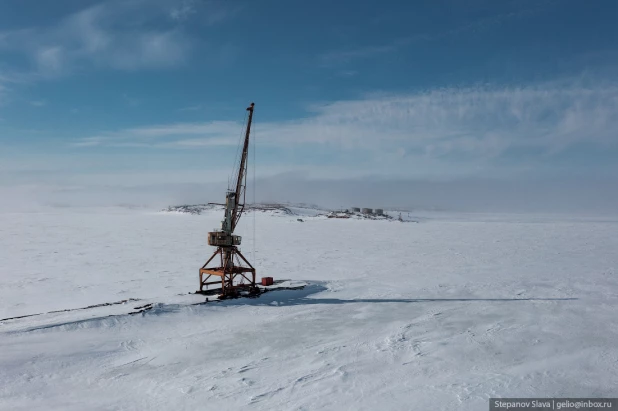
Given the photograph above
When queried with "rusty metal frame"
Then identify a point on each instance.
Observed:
(228, 271)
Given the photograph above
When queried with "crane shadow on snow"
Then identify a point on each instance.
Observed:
(302, 296)
(281, 297)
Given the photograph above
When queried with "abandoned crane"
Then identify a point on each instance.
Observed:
(230, 258)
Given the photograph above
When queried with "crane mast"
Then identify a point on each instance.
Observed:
(225, 240)
(233, 206)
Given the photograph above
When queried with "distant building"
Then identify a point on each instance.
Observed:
(367, 211)
(355, 210)
(379, 211)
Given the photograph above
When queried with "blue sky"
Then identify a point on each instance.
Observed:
(137, 93)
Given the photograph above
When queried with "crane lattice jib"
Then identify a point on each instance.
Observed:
(241, 183)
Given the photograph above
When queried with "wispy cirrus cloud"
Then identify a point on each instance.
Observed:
(121, 35)
(210, 12)
(481, 122)
(183, 10)
(103, 36)
(178, 135)
(7, 82)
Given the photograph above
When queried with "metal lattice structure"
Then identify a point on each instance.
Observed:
(233, 268)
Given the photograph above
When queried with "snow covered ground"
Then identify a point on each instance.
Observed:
(439, 314)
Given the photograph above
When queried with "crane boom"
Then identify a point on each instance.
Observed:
(234, 199)
(242, 174)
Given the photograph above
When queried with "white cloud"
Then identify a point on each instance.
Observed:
(483, 122)
(50, 59)
(105, 35)
(183, 10)
(123, 35)
(6, 81)
(219, 128)
(200, 142)
(179, 135)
